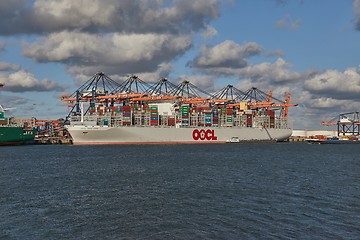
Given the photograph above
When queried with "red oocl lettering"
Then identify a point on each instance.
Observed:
(196, 134)
(202, 134)
(209, 134)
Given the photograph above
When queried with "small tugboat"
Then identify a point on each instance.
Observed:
(233, 140)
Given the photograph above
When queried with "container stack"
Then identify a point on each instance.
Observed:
(171, 121)
(195, 116)
(126, 113)
(208, 116)
(101, 110)
(229, 116)
(185, 115)
(139, 116)
(215, 117)
(3, 120)
(249, 120)
(271, 114)
(154, 115)
(114, 110)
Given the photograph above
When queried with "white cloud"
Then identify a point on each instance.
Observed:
(226, 54)
(231, 59)
(276, 72)
(335, 84)
(121, 53)
(203, 82)
(22, 80)
(142, 16)
(5, 66)
(78, 13)
(163, 70)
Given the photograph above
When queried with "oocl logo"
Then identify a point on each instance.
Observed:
(204, 134)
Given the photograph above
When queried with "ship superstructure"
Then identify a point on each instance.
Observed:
(103, 111)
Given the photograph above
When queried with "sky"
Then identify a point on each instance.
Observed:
(48, 48)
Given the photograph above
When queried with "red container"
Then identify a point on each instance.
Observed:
(229, 111)
(272, 119)
(154, 122)
(271, 113)
(171, 121)
(248, 119)
(126, 108)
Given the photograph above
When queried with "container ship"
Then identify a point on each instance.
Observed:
(165, 113)
(14, 134)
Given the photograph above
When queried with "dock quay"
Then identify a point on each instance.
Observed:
(302, 135)
(297, 139)
(52, 140)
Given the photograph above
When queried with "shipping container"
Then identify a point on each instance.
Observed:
(270, 113)
(249, 120)
(171, 121)
(126, 108)
(243, 106)
(229, 111)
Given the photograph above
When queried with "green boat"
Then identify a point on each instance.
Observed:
(13, 134)
(10, 135)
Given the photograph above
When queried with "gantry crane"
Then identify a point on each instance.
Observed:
(347, 123)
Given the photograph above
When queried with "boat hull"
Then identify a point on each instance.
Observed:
(10, 135)
(319, 141)
(171, 135)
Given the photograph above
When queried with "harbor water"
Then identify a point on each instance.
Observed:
(225, 191)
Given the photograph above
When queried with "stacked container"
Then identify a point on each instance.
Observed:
(185, 115)
(3, 120)
(114, 110)
(126, 113)
(101, 110)
(208, 116)
(271, 114)
(215, 117)
(171, 121)
(229, 116)
(154, 115)
(249, 120)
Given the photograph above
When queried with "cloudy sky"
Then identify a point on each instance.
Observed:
(311, 48)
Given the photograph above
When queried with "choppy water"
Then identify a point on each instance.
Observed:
(233, 191)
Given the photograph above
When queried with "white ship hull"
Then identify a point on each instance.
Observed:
(170, 135)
